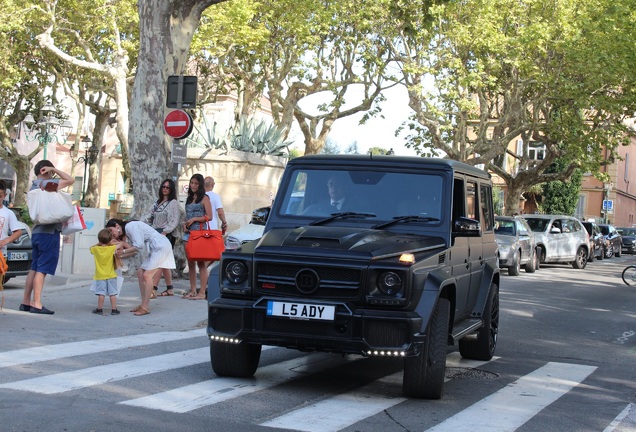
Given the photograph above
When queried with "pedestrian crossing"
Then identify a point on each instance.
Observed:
(506, 409)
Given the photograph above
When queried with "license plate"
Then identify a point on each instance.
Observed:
(301, 310)
(18, 256)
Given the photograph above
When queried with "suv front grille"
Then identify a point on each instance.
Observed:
(386, 333)
(334, 282)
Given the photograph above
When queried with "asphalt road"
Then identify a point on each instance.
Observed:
(565, 362)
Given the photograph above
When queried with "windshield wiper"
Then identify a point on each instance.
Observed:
(344, 215)
(411, 218)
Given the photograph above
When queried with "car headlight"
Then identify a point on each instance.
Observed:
(236, 272)
(389, 283)
(504, 248)
(232, 243)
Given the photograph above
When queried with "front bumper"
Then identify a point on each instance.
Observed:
(506, 258)
(361, 331)
(628, 249)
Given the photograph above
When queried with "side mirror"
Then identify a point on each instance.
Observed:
(466, 227)
(554, 230)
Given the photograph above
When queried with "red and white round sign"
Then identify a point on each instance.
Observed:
(178, 124)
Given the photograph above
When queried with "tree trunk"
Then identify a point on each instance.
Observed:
(165, 33)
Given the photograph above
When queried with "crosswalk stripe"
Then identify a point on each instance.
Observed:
(54, 352)
(341, 410)
(346, 409)
(515, 404)
(625, 421)
(213, 391)
(67, 381)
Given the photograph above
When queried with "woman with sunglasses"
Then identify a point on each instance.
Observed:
(164, 217)
(198, 212)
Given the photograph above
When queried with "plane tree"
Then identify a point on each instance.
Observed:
(22, 78)
(491, 80)
(316, 61)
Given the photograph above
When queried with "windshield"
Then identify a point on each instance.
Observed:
(363, 195)
(537, 225)
(505, 227)
(627, 231)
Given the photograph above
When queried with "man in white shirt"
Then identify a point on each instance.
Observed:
(8, 222)
(217, 207)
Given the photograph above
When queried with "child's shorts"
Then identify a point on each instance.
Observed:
(106, 287)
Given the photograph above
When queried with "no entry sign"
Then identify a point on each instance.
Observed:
(178, 124)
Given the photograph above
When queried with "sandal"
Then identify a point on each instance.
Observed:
(142, 311)
(166, 293)
(189, 295)
(197, 298)
(136, 309)
(153, 294)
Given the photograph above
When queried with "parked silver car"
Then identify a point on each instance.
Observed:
(560, 239)
(516, 244)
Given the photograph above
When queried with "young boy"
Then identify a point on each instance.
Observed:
(105, 277)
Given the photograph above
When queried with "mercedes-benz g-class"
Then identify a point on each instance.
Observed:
(366, 255)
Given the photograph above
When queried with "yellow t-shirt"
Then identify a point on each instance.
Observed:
(104, 261)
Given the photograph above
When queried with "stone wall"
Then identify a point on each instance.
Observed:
(245, 181)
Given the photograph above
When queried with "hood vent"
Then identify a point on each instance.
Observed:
(442, 258)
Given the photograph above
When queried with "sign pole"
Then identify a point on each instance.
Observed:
(175, 142)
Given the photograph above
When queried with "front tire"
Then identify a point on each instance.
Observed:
(580, 261)
(515, 268)
(235, 360)
(424, 374)
(483, 348)
(531, 265)
(629, 275)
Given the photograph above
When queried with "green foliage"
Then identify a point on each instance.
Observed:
(380, 151)
(497, 200)
(294, 153)
(560, 197)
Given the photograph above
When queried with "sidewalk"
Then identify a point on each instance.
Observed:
(73, 302)
(68, 280)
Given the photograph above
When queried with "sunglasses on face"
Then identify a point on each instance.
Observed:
(165, 187)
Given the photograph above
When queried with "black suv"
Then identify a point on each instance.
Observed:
(380, 256)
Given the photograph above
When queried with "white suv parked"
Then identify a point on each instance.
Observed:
(560, 239)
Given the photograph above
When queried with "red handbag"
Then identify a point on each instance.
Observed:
(205, 244)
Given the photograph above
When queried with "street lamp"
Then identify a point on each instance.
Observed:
(90, 156)
(46, 129)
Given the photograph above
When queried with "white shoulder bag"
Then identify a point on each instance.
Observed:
(49, 207)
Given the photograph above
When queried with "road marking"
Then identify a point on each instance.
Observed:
(194, 396)
(67, 381)
(626, 420)
(515, 404)
(54, 352)
(341, 410)
(346, 409)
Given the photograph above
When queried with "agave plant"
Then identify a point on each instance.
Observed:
(208, 136)
(258, 136)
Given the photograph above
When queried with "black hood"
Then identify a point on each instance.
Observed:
(363, 243)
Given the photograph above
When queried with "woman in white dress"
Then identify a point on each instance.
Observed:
(157, 251)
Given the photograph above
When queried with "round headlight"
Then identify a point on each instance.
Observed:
(390, 283)
(236, 272)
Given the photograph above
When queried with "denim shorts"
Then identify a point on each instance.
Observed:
(46, 252)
